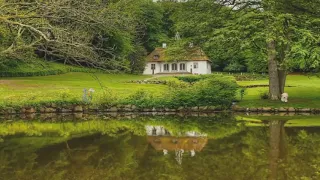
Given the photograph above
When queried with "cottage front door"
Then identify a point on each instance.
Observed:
(153, 67)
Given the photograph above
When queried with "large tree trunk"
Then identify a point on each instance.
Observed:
(274, 83)
(282, 80)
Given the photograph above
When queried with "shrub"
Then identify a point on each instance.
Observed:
(193, 78)
(141, 98)
(39, 67)
(177, 84)
(250, 77)
(216, 91)
(108, 97)
(264, 95)
(242, 92)
(213, 91)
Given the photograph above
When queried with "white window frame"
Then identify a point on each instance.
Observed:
(153, 66)
(182, 65)
(166, 67)
(195, 65)
(174, 67)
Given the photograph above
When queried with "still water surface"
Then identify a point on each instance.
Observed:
(222, 147)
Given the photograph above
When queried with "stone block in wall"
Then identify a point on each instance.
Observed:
(291, 109)
(42, 110)
(211, 108)
(203, 108)
(11, 111)
(93, 108)
(304, 110)
(112, 109)
(65, 110)
(30, 110)
(30, 116)
(23, 110)
(267, 109)
(282, 109)
(195, 109)
(239, 109)
(50, 110)
(253, 109)
(134, 107)
(78, 108)
(167, 110)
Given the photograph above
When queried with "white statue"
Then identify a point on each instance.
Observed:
(165, 152)
(284, 97)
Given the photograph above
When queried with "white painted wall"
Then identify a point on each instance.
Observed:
(204, 67)
(148, 70)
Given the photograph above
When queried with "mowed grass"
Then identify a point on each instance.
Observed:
(304, 91)
(42, 88)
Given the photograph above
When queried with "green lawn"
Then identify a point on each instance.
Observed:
(19, 90)
(305, 92)
(26, 89)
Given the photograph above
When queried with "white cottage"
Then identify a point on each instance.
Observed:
(196, 62)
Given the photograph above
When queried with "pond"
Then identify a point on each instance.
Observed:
(216, 146)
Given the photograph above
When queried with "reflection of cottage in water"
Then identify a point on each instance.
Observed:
(181, 143)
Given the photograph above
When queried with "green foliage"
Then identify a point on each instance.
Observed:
(236, 40)
(235, 67)
(142, 98)
(108, 97)
(264, 95)
(250, 76)
(217, 91)
(39, 67)
(193, 79)
(242, 93)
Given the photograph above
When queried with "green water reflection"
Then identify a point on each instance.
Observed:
(219, 147)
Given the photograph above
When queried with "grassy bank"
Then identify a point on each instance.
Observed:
(39, 67)
(303, 90)
(20, 90)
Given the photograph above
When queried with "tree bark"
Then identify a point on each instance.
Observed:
(282, 80)
(274, 83)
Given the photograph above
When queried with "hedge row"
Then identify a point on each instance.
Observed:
(53, 72)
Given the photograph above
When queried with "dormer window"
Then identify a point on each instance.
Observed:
(156, 57)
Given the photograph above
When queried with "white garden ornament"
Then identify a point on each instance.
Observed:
(284, 97)
(91, 90)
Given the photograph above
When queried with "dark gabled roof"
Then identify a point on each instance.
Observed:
(193, 54)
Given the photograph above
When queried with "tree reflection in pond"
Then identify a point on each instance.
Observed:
(129, 149)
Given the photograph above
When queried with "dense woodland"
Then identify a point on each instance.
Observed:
(274, 36)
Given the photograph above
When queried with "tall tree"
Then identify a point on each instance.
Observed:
(67, 30)
(277, 34)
